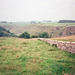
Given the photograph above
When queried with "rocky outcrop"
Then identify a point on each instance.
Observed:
(69, 31)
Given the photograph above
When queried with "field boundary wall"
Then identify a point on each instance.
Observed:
(63, 45)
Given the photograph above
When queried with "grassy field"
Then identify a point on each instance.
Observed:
(67, 38)
(16, 23)
(33, 57)
(59, 24)
(46, 24)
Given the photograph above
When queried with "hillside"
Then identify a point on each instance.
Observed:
(54, 29)
(33, 57)
(34, 29)
(4, 32)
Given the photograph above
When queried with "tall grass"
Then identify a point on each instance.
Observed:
(33, 57)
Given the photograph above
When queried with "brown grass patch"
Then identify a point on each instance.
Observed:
(67, 38)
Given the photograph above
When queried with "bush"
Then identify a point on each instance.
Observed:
(5, 33)
(43, 35)
(2, 34)
(34, 36)
(25, 35)
(13, 35)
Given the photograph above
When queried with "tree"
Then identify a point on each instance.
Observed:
(43, 35)
(1, 34)
(66, 21)
(25, 35)
(5, 33)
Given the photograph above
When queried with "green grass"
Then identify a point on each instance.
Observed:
(59, 24)
(47, 24)
(33, 57)
(16, 23)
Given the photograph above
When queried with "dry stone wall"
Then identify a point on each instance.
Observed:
(63, 45)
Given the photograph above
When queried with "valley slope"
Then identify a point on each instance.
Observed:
(34, 29)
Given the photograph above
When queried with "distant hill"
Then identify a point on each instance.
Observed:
(4, 32)
(3, 21)
(35, 29)
(66, 21)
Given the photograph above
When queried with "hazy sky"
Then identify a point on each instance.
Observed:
(26, 10)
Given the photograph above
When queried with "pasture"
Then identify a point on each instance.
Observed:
(45, 24)
(66, 38)
(33, 57)
(59, 24)
(15, 24)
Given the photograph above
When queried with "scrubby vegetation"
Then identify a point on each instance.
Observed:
(43, 35)
(34, 36)
(25, 35)
(4, 32)
(53, 29)
(33, 57)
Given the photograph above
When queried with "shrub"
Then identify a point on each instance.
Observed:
(43, 35)
(4, 32)
(25, 35)
(13, 35)
(34, 36)
(1, 33)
